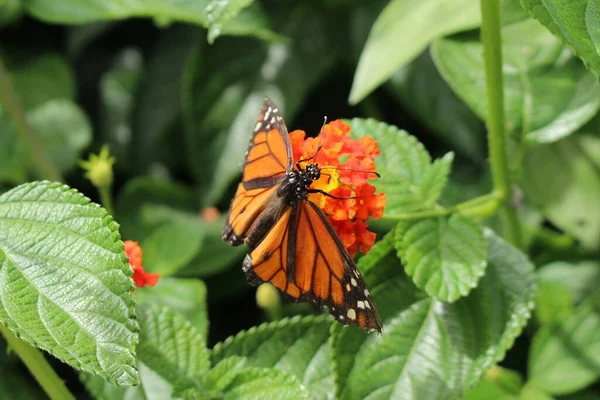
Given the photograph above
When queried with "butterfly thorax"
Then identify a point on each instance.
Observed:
(295, 187)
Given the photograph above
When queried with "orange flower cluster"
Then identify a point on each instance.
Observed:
(348, 216)
(140, 277)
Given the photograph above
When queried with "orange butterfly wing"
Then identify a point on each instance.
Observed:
(304, 258)
(268, 158)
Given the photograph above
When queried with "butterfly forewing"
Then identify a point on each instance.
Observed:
(268, 158)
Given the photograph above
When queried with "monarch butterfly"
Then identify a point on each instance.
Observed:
(293, 245)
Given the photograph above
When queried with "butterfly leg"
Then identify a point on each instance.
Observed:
(330, 195)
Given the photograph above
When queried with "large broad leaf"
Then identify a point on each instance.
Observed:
(186, 296)
(400, 34)
(222, 100)
(422, 90)
(265, 383)
(429, 349)
(412, 182)
(444, 256)
(566, 357)
(172, 347)
(298, 345)
(547, 95)
(564, 183)
(65, 283)
(218, 16)
(575, 23)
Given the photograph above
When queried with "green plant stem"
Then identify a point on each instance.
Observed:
(10, 100)
(487, 201)
(106, 198)
(498, 148)
(38, 366)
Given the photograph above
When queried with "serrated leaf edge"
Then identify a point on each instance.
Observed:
(116, 237)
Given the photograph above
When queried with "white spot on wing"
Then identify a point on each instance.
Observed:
(366, 293)
(348, 287)
(368, 305)
(267, 113)
(360, 304)
(353, 281)
(257, 127)
(351, 313)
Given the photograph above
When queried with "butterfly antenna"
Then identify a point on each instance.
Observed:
(318, 145)
(353, 170)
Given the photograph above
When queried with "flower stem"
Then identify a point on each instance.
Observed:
(10, 100)
(38, 366)
(106, 198)
(498, 148)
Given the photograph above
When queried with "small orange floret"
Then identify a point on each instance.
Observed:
(348, 178)
(209, 214)
(140, 277)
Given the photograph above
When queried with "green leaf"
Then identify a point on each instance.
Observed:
(216, 15)
(575, 23)
(265, 383)
(430, 349)
(172, 246)
(215, 255)
(444, 256)
(486, 390)
(172, 347)
(421, 89)
(531, 392)
(224, 372)
(14, 157)
(547, 95)
(405, 167)
(43, 78)
(156, 130)
(222, 100)
(142, 192)
(581, 279)
(118, 87)
(565, 358)
(152, 387)
(498, 384)
(553, 303)
(186, 296)
(10, 10)
(298, 345)
(64, 130)
(65, 283)
(399, 35)
(566, 189)
(102, 390)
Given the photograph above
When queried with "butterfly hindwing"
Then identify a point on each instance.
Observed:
(246, 208)
(304, 258)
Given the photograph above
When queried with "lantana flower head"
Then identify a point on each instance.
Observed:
(140, 277)
(347, 166)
